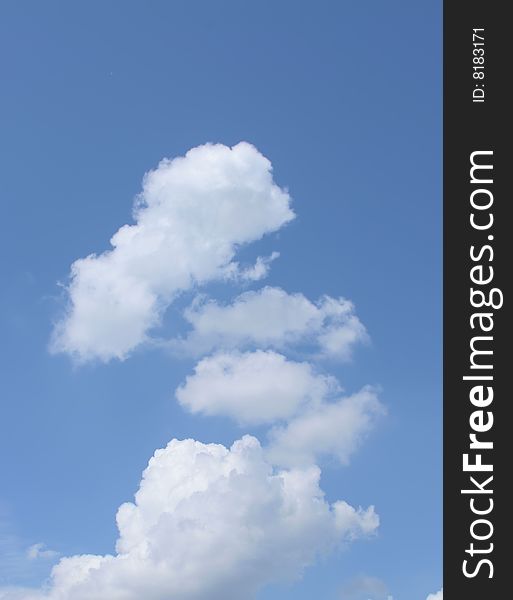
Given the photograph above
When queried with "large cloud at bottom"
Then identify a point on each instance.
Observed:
(210, 523)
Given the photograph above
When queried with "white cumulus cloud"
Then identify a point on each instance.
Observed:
(253, 387)
(190, 218)
(331, 429)
(438, 596)
(272, 318)
(210, 523)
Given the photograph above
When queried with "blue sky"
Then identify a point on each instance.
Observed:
(344, 99)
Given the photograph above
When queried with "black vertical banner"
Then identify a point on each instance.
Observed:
(478, 241)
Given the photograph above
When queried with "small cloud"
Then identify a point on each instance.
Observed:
(257, 271)
(271, 318)
(40, 550)
(365, 587)
(438, 596)
(253, 387)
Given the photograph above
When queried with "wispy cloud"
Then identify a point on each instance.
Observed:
(19, 563)
(40, 551)
(365, 587)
